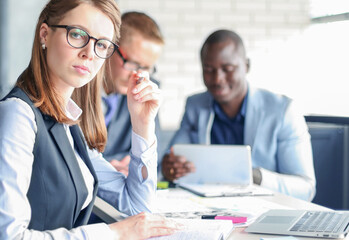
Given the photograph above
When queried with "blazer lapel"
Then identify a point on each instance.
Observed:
(254, 115)
(206, 117)
(60, 136)
(81, 148)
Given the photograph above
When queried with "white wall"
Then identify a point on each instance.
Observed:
(22, 20)
(262, 24)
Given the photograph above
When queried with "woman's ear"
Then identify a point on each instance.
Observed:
(43, 33)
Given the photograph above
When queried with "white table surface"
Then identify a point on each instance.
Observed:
(178, 200)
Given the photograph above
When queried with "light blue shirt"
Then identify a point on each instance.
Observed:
(130, 195)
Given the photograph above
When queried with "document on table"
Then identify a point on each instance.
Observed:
(182, 204)
(197, 229)
(225, 190)
(239, 219)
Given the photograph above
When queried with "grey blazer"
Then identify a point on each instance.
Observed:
(275, 130)
(120, 131)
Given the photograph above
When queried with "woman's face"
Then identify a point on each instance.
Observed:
(70, 67)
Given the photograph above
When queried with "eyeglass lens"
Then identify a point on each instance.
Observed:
(132, 66)
(78, 38)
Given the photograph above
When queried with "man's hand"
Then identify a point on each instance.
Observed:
(174, 166)
(122, 165)
(143, 101)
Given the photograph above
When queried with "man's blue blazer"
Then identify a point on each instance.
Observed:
(275, 130)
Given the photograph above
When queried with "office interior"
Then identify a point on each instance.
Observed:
(297, 47)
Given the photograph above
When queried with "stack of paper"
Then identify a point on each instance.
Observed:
(197, 229)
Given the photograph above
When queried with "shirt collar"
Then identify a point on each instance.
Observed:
(72, 110)
(242, 113)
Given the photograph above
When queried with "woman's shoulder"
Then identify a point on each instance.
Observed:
(14, 104)
(14, 111)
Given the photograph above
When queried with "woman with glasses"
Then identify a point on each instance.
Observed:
(50, 163)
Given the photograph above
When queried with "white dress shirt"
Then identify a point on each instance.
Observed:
(17, 137)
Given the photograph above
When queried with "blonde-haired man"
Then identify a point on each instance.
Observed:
(140, 46)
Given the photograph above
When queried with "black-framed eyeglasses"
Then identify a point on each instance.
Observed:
(78, 38)
(133, 66)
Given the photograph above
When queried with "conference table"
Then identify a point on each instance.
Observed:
(179, 201)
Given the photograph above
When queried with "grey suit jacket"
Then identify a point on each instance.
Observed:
(276, 132)
(119, 132)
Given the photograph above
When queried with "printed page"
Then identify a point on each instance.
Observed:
(197, 229)
(178, 203)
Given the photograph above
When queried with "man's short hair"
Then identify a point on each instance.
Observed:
(222, 36)
(138, 22)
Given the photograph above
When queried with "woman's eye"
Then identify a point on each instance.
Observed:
(78, 33)
(75, 35)
(101, 45)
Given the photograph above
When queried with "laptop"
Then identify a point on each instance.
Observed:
(305, 223)
(221, 170)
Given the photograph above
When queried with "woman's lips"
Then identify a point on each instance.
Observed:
(82, 69)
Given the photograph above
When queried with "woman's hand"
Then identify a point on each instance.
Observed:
(143, 226)
(143, 98)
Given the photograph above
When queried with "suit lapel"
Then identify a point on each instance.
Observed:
(81, 148)
(60, 136)
(206, 117)
(254, 115)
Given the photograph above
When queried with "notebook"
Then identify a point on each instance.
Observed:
(197, 229)
(221, 170)
(324, 224)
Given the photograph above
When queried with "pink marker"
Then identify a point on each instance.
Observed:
(234, 219)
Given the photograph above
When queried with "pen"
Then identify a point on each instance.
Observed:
(234, 219)
(139, 80)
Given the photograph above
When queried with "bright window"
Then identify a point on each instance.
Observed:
(313, 67)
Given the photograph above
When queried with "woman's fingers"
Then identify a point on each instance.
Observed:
(144, 225)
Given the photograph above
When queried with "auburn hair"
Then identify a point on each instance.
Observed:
(36, 83)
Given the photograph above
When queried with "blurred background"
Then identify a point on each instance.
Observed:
(297, 47)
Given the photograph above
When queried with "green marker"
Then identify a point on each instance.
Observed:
(162, 185)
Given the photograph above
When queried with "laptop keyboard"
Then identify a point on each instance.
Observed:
(317, 221)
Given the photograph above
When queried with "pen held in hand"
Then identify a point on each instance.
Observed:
(139, 80)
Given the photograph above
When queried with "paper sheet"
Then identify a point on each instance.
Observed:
(197, 229)
(188, 205)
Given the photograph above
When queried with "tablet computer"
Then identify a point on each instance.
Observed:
(217, 164)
